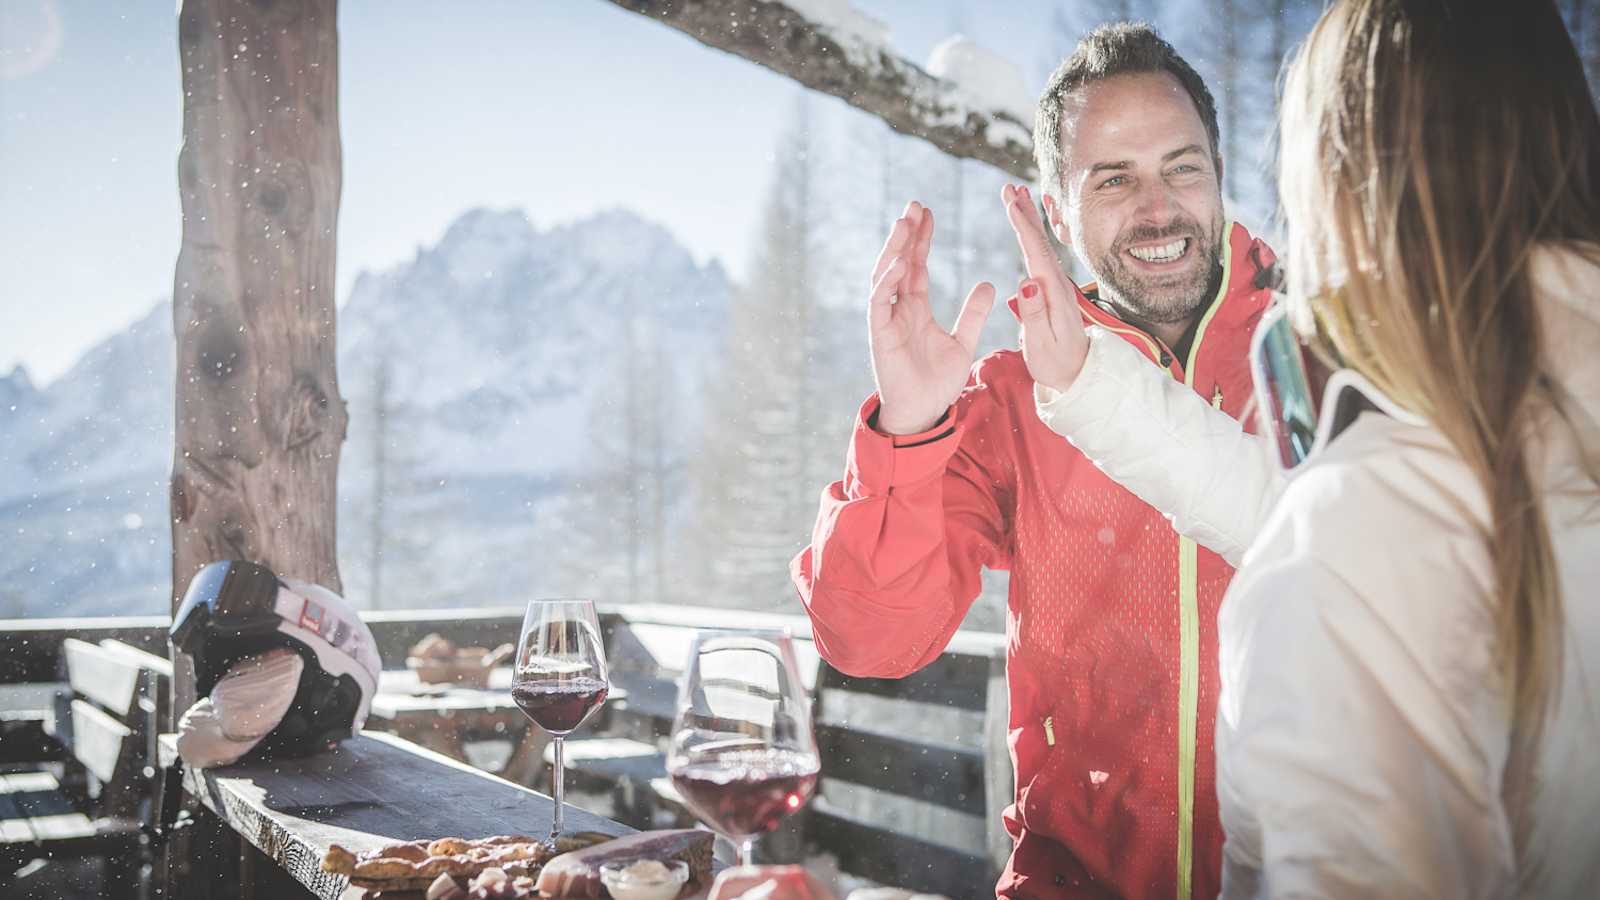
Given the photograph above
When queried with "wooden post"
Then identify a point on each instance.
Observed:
(259, 417)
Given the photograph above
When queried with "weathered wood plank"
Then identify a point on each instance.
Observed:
(30, 649)
(23, 740)
(137, 656)
(29, 701)
(963, 643)
(14, 828)
(100, 742)
(372, 790)
(944, 775)
(898, 859)
(606, 761)
(397, 630)
(51, 816)
(102, 676)
(998, 778)
(957, 681)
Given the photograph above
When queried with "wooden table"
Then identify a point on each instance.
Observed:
(443, 717)
(372, 790)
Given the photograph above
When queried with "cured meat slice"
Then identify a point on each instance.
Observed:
(577, 874)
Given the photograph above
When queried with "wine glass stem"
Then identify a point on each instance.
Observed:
(555, 827)
(747, 849)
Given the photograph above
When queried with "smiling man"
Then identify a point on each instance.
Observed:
(1111, 615)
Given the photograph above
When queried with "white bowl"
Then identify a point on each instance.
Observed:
(626, 885)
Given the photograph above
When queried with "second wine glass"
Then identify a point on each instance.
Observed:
(560, 678)
(743, 756)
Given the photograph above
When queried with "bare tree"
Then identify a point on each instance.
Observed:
(1228, 89)
(394, 547)
(381, 411)
(758, 469)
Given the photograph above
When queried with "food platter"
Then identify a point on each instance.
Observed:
(517, 866)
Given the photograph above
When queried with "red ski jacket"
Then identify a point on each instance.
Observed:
(1111, 617)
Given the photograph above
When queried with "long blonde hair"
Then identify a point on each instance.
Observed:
(1427, 149)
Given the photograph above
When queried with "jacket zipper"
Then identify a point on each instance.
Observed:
(1050, 730)
(1159, 351)
(1188, 592)
(1189, 618)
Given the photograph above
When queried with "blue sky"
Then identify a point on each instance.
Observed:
(559, 107)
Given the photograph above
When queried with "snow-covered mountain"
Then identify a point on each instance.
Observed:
(494, 339)
(492, 349)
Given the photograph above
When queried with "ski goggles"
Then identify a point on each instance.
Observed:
(1288, 381)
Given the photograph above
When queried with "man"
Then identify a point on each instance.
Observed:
(1111, 622)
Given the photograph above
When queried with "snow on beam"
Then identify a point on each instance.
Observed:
(828, 47)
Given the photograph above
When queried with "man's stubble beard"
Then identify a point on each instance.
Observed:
(1168, 303)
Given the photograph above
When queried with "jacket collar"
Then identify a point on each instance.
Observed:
(1566, 285)
(1244, 292)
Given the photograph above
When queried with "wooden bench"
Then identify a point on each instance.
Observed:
(108, 723)
(915, 773)
(25, 712)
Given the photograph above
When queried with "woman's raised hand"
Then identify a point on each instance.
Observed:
(1054, 342)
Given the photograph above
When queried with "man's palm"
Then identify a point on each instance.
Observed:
(920, 368)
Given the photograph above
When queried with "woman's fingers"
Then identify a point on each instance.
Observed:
(1037, 255)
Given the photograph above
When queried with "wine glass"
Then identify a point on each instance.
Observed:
(559, 678)
(743, 756)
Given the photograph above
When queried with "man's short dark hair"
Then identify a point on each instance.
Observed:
(1123, 48)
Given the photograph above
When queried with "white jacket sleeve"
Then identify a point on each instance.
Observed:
(1350, 763)
(1165, 443)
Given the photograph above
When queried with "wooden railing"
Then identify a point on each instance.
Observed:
(916, 766)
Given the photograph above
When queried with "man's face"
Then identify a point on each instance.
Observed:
(1142, 193)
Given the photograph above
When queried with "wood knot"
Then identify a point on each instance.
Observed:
(220, 352)
(281, 193)
(306, 413)
(182, 498)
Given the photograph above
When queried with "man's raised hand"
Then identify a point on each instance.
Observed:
(920, 368)
(1054, 342)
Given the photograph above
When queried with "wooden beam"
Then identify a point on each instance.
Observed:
(259, 417)
(30, 649)
(371, 790)
(857, 71)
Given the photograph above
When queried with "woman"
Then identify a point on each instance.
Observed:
(1410, 649)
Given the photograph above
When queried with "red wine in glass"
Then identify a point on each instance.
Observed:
(747, 793)
(559, 705)
(743, 754)
(560, 675)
